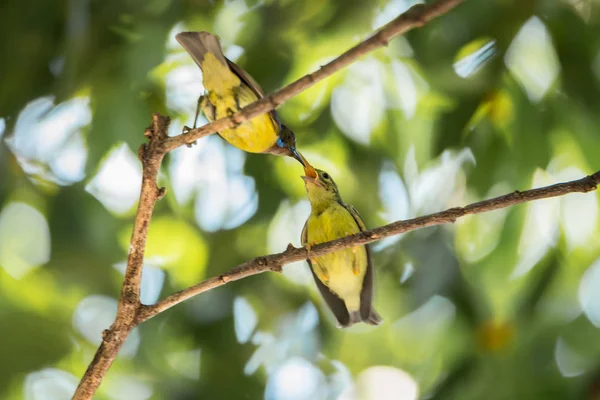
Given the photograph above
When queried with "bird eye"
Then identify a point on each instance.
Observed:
(325, 175)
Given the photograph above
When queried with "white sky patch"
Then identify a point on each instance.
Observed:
(578, 212)
(569, 362)
(286, 227)
(184, 87)
(96, 313)
(391, 10)
(296, 379)
(244, 319)
(211, 173)
(589, 293)
(540, 231)
(358, 104)
(48, 140)
(118, 181)
(394, 198)
(2, 127)
(229, 20)
(125, 387)
(437, 186)
(24, 239)
(296, 336)
(50, 384)
(383, 383)
(532, 60)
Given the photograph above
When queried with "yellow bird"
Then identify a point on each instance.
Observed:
(344, 277)
(229, 89)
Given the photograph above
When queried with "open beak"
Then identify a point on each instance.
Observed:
(309, 180)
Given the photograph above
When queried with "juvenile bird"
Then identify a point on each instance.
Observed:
(229, 89)
(344, 277)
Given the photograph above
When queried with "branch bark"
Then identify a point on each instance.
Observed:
(274, 262)
(151, 155)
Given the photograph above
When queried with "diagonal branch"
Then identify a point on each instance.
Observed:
(274, 262)
(414, 17)
(151, 155)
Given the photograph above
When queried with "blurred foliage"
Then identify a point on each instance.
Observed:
(495, 96)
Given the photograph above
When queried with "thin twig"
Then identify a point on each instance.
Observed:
(274, 262)
(151, 155)
(414, 17)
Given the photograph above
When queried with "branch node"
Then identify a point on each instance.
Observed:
(161, 193)
(276, 268)
(105, 333)
(261, 261)
(273, 103)
(417, 14)
(225, 278)
(290, 247)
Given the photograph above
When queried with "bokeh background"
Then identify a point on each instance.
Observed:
(498, 95)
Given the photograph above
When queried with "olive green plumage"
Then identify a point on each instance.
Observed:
(344, 277)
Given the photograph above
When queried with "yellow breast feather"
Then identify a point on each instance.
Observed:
(341, 271)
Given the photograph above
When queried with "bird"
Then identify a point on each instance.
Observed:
(344, 277)
(229, 89)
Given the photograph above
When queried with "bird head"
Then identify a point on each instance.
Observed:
(320, 186)
(286, 142)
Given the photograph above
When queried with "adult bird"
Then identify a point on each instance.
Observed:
(229, 89)
(344, 277)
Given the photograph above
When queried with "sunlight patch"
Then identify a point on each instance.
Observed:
(296, 379)
(50, 384)
(48, 141)
(383, 383)
(118, 181)
(24, 239)
(96, 313)
(589, 293)
(244, 319)
(286, 227)
(358, 104)
(532, 60)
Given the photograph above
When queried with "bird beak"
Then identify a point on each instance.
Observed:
(298, 156)
(312, 181)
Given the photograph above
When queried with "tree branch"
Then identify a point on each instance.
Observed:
(274, 262)
(151, 155)
(414, 17)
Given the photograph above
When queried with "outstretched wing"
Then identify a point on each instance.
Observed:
(366, 295)
(336, 305)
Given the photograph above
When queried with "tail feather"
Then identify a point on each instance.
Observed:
(200, 43)
(372, 319)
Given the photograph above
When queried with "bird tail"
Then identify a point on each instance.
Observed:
(206, 51)
(198, 44)
(372, 319)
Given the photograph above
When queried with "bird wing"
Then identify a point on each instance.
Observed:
(336, 305)
(254, 86)
(197, 44)
(366, 295)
